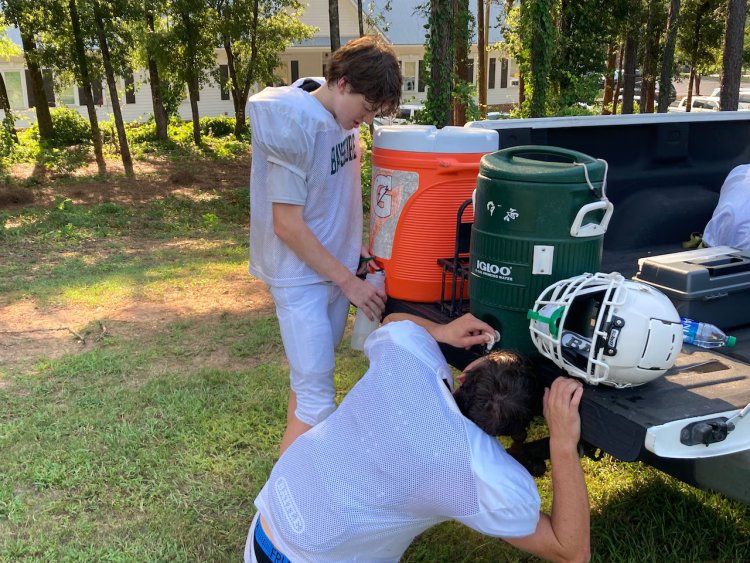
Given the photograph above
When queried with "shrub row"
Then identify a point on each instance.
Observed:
(71, 128)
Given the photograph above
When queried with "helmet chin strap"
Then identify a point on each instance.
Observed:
(553, 321)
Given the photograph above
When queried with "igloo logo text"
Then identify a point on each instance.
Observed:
(495, 271)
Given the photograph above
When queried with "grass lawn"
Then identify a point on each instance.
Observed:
(143, 387)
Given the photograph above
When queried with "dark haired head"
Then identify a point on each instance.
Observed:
(498, 394)
(370, 67)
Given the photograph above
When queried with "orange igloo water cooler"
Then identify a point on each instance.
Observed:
(420, 177)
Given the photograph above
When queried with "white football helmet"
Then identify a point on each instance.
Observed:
(605, 329)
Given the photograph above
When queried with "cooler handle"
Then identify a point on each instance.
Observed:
(451, 166)
(542, 150)
(592, 229)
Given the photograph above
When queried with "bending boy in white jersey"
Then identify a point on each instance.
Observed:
(306, 212)
(401, 454)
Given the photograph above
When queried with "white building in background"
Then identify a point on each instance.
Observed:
(405, 31)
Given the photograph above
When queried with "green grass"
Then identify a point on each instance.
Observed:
(151, 444)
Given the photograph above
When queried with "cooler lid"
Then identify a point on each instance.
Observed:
(542, 164)
(698, 273)
(430, 139)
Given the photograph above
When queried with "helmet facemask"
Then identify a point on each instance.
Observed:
(604, 329)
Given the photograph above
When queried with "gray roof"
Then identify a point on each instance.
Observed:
(322, 41)
(406, 25)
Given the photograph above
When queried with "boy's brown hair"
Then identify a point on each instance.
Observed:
(499, 394)
(370, 66)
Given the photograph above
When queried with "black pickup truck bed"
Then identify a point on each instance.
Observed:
(665, 174)
(616, 421)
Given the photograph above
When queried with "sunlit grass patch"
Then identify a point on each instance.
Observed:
(185, 451)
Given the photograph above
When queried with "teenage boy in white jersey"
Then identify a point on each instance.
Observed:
(401, 454)
(306, 213)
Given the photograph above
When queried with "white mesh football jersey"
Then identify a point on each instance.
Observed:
(395, 458)
(293, 130)
(730, 223)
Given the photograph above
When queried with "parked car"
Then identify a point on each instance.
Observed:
(744, 95)
(699, 103)
(639, 81)
(407, 113)
(498, 115)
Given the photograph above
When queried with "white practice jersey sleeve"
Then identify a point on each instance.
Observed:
(279, 131)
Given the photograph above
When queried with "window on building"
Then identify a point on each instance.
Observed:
(410, 76)
(503, 73)
(67, 96)
(491, 74)
(81, 96)
(98, 93)
(325, 66)
(129, 88)
(294, 70)
(15, 91)
(422, 80)
(49, 90)
(49, 87)
(224, 81)
(470, 70)
(98, 97)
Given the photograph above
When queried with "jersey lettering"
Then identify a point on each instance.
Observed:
(342, 152)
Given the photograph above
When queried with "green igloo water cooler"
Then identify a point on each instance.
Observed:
(540, 214)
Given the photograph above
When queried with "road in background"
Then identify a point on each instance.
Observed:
(708, 83)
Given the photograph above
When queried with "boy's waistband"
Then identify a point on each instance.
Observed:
(262, 541)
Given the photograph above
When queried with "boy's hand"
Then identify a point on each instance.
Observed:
(464, 332)
(561, 402)
(364, 259)
(365, 296)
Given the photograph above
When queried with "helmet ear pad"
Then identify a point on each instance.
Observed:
(612, 331)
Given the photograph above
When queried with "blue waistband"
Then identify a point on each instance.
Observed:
(267, 546)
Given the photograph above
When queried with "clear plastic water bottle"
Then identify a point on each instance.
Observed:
(362, 325)
(705, 335)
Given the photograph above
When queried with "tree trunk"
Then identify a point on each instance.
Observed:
(731, 73)
(540, 57)
(689, 102)
(240, 92)
(481, 59)
(610, 79)
(441, 63)
(618, 82)
(88, 99)
(628, 74)
(193, 95)
(360, 18)
(239, 111)
(461, 41)
(649, 61)
(127, 161)
(43, 117)
(161, 119)
(667, 59)
(9, 121)
(697, 84)
(333, 23)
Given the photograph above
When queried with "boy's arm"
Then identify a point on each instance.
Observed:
(290, 227)
(463, 332)
(564, 535)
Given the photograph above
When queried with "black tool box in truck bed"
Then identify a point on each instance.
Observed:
(665, 175)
